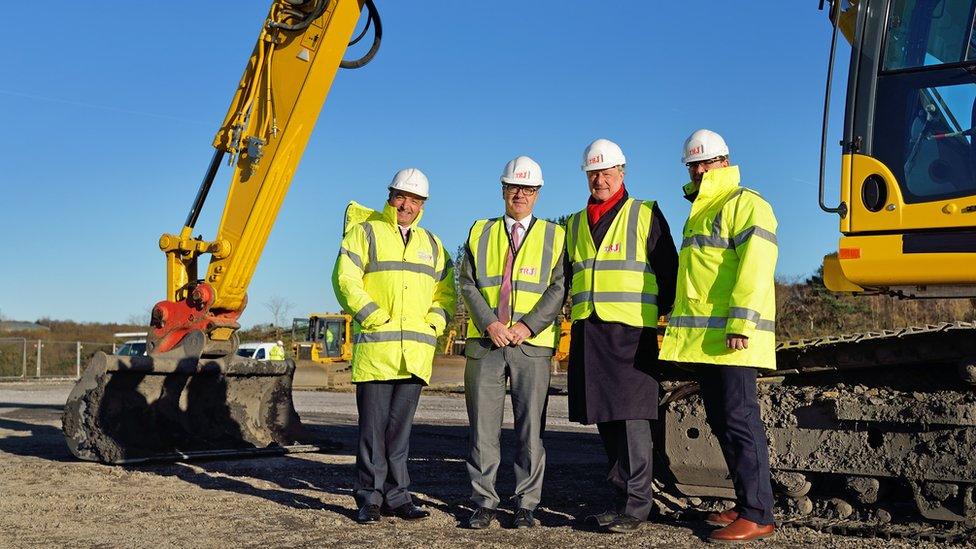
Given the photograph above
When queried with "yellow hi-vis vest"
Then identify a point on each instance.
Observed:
(725, 277)
(615, 281)
(400, 295)
(532, 267)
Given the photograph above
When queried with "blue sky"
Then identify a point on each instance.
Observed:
(108, 115)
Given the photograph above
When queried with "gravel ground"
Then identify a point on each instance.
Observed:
(303, 500)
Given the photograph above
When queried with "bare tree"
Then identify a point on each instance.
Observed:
(141, 318)
(279, 308)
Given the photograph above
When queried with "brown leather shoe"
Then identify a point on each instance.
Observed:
(740, 531)
(724, 518)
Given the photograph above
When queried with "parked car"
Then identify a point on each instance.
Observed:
(136, 347)
(256, 351)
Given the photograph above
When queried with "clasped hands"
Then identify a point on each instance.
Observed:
(737, 342)
(503, 336)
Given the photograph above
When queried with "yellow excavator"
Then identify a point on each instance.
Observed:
(873, 433)
(324, 338)
(869, 433)
(191, 396)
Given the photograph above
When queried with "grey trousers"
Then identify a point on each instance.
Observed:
(484, 393)
(628, 445)
(386, 410)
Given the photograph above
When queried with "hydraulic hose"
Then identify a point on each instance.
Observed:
(374, 18)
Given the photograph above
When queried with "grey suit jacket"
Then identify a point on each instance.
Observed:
(541, 317)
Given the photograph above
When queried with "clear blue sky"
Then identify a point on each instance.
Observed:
(108, 112)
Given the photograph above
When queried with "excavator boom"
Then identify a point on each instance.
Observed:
(191, 395)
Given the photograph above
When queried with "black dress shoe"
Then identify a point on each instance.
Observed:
(601, 520)
(409, 511)
(368, 514)
(481, 518)
(524, 519)
(624, 524)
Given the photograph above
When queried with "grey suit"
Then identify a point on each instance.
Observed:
(486, 370)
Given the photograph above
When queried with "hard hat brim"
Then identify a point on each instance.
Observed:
(411, 193)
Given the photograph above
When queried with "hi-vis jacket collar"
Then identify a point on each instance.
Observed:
(717, 182)
(389, 215)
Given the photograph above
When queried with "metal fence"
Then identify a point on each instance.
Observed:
(22, 358)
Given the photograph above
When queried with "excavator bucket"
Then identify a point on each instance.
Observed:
(131, 409)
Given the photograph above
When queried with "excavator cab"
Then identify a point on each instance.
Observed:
(323, 338)
(908, 178)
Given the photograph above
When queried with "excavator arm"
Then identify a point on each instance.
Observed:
(264, 134)
(191, 396)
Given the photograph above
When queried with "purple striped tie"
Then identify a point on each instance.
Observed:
(505, 294)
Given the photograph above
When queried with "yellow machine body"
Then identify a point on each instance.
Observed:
(877, 250)
(311, 338)
(908, 169)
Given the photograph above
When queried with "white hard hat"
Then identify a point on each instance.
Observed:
(524, 171)
(704, 145)
(410, 180)
(602, 154)
(280, 342)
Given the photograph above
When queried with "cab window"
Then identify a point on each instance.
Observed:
(922, 33)
(925, 108)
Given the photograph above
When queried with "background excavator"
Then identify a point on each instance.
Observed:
(323, 338)
(868, 432)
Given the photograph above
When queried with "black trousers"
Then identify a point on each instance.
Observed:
(386, 410)
(629, 448)
(732, 411)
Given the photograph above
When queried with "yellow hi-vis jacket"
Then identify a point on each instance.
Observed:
(725, 277)
(277, 352)
(616, 281)
(532, 267)
(400, 295)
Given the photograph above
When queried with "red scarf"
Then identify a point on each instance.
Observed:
(595, 210)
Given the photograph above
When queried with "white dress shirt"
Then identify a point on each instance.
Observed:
(509, 221)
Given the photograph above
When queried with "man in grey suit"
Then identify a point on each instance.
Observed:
(512, 282)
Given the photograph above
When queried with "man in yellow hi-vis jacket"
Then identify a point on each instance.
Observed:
(723, 324)
(397, 282)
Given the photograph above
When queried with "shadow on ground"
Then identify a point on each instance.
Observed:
(574, 487)
(574, 483)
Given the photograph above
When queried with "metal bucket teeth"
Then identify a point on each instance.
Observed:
(133, 409)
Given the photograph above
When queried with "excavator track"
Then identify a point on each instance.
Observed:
(870, 434)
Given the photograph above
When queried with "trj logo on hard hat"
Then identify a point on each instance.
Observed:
(523, 175)
(700, 149)
(594, 159)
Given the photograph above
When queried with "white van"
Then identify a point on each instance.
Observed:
(255, 351)
(132, 348)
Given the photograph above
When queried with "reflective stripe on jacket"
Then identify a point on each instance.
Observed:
(616, 281)
(725, 277)
(400, 295)
(532, 269)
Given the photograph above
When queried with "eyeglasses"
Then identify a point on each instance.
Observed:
(709, 162)
(514, 189)
(412, 200)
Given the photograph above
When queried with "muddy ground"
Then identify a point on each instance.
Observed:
(48, 499)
